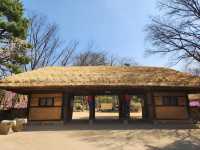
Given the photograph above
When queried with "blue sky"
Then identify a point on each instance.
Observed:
(116, 26)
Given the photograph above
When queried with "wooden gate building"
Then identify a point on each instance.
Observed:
(51, 90)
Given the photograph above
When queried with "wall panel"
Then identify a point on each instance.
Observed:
(45, 113)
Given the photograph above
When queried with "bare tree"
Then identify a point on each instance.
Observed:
(90, 56)
(67, 55)
(177, 33)
(100, 58)
(195, 71)
(193, 68)
(126, 61)
(112, 60)
(47, 48)
(94, 56)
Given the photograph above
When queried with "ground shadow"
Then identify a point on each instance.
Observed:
(187, 141)
(178, 145)
(105, 125)
(116, 135)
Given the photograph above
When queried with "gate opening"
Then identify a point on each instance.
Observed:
(106, 107)
(80, 108)
(136, 107)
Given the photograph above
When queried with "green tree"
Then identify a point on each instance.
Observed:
(13, 29)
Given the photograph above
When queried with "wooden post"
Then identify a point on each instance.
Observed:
(120, 107)
(126, 109)
(188, 106)
(144, 107)
(67, 107)
(28, 107)
(150, 106)
(71, 106)
(91, 103)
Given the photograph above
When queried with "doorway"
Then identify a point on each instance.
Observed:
(136, 107)
(80, 109)
(106, 107)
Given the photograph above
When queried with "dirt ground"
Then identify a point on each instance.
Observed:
(103, 136)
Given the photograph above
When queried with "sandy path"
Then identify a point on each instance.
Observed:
(48, 140)
(102, 137)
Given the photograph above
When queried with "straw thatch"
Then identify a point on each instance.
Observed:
(194, 96)
(100, 76)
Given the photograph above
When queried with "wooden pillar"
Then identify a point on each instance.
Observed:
(28, 107)
(120, 107)
(91, 103)
(144, 107)
(150, 106)
(71, 106)
(188, 106)
(67, 107)
(126, 109)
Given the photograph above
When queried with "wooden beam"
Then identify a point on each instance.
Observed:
(102, 89)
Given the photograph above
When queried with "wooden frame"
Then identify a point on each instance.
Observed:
(46, 99)
(149, 104)
(183, 106)
(35, 107)
(169, 100)
(47, 120)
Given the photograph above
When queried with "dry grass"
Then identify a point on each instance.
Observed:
(100, 76)
(194, 96)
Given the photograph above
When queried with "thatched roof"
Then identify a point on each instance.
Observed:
(100, 76)
(194, 96)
